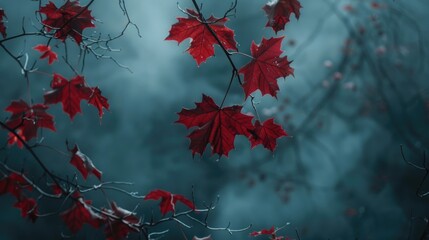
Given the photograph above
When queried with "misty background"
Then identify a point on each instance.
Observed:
(359, 91)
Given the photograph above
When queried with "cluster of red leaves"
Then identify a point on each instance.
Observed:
(68, 20)
(272, 233)
(216, 125)
(71, 93)
(26, 120)
(118, 222)
(15, 185)
(2, 26)
(219, 126)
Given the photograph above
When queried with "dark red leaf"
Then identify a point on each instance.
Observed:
(79, 214)
(28, 208)
(2, 26)
(26, 120)
(56, 190)
(69, 93)
(46, 52)
(168, 200)
(266, 67)
(68, 20)
(270, 231)
(215, 125)
(124, 222)
(84, 164)
(279, 11)
(202, 41)
(266, 134)
(14, 184)
(98, 101)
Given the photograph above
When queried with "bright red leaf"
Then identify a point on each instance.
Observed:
(279, 11)
(202, 40)
(266, 134)
(28, 208)
(215, 125)
(266, 67)
(69, 93)
(118, 228)
(26, 120)
(68, 20)
(79, 214)
(46, 52)
(168, 200)
(98, 101)
(2, 26)
(84, 164)
(270, 231)
(14, 184)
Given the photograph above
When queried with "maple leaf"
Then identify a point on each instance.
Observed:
(123, 223)
(69, 93)
(203, 41)
(14, 184)
(270, 231)
(98, 101)
(2, 26)
(279, 11)
(168, 200)
(68, 20)
(266, 134)
(28, 208)
(26, 120)
(215, 125)
(84, 164)
(265, 68)
(79, 214)
(46, 52)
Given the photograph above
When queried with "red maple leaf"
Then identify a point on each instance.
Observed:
(83, 163)
(98, 101)
(119, 227)
(2, 26)
(69, 93)
(203, 41)
(81, 213)
(265, 68)
(46, 52)
(266, 134)
(215, 125)
(26, 120)
(279, 11)
(68, 20)
(270, 231)
(14, 184)
(28, 208)
(168, 200)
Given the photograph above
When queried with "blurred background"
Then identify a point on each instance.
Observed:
(360, 90)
